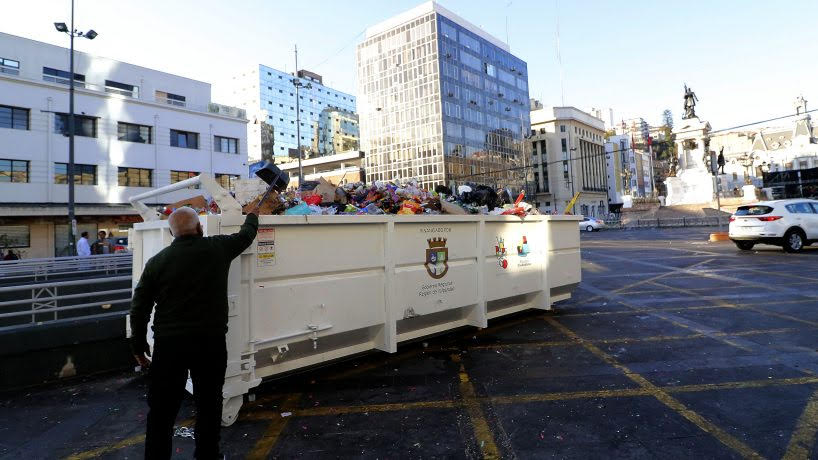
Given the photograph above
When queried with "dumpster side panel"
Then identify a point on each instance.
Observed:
(313, 249)
(512, 253)
(435, 267)
(564, 257)
(340, 302)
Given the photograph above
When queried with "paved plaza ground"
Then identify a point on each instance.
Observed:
(672, 347)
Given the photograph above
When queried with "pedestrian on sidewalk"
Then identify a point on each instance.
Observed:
(83, 247)
(187, 284)
(102, 245)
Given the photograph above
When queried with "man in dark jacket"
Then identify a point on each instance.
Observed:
(187, 281)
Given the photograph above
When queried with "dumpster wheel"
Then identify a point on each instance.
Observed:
(230, 409)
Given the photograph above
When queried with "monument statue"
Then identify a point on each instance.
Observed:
(800, 105)
(690, 103)
(720, 160)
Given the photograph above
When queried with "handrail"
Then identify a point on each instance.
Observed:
(82, 282)
(227, 204)
(65, 259)
(70, 296)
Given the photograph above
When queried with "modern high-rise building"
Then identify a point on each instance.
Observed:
(268, 95)
(441, 100)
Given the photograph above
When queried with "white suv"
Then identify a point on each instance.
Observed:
(791, 224)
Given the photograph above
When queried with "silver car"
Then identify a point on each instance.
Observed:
(590, 224)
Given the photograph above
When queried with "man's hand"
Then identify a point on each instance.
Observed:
(141, 358)
(255, 209)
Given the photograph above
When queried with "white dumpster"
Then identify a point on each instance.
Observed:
(312, 289)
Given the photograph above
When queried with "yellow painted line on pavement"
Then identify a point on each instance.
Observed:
(803, 437)
(636, 310)
(740, 385)
(277, 424)
(482, 432)
(654, 338)
(127, 442)
(664, 397)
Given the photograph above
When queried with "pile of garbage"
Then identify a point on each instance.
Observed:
(378, 198)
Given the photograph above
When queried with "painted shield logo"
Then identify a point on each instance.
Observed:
(437, 258)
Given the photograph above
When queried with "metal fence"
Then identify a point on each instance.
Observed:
(37, 291)
(26, 270)
(712, 221)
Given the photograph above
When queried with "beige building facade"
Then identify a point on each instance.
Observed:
(568, 158)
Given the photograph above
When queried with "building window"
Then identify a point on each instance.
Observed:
(226, 144)
(83, 174)
(9, 66)
(179, 176)
(134, 177)
(123, 89)
(184, 139)
(170, 98)
(134, 133)
(83, 125)
(13, 117)
(15, 236)
(564, 145)
(228, 181)
(13, 171)
(62, 77)
(562, 128)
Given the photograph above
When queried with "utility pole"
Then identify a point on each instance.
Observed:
(298, 85)
(72, 221)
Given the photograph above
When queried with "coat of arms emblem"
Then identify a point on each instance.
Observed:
(437, 257)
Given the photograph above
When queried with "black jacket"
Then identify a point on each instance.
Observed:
(188, 283)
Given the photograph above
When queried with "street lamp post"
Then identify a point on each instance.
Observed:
(72, 221)
(298, 84)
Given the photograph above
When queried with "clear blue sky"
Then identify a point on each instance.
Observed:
(746, 60)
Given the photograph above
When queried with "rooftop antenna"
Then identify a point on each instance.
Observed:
(559, 54)
(507, 5)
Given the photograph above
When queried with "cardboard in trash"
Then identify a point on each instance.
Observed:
(451, 208)
(272, 205)
(324, 189)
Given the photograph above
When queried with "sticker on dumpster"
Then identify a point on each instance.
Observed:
(523, 250)
(266, 247)
(437, 258)
(500, 252)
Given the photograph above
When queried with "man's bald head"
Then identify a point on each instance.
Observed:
(183, 222)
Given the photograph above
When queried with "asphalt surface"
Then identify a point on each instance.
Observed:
(672, 347)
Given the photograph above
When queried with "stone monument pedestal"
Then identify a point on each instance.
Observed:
(749, 193)
(689, 187)
(693, 183)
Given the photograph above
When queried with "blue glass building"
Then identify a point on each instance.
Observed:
(325, 114)
(441, 100)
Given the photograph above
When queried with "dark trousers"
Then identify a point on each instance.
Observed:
(206, 359)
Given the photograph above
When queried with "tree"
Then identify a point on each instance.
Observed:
(667, 118)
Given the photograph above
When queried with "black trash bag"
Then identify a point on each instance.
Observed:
(308, 185)
(504, 198)
(443, 189)
(484, 196)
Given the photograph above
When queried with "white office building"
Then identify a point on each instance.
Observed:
(136, 128)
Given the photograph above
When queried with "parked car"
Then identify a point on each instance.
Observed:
(791, 224)
(590, 224)
(120, 244)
